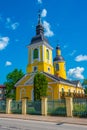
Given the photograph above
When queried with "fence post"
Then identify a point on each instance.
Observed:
(69, 106)
(24, 106)
(8, 106)
(44, 106)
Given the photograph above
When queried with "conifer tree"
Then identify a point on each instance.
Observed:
(40, 86)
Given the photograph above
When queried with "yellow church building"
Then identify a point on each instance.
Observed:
(40, 59)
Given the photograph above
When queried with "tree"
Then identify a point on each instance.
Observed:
(40, 86)
(84, 84)
(12, 79)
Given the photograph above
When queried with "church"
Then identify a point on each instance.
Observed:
(40, 59)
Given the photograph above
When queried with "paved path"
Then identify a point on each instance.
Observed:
(56, 119)
(19, 124)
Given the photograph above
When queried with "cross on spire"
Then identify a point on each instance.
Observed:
(39, 16)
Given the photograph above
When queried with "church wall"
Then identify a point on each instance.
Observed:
(62, 71)
(24, 92)
(72, 89)
(42, 66)
(49, 80)
(78, 89)
(50, 55)
(41, 53)
(66, 88)
(29, 56)
(55, 91)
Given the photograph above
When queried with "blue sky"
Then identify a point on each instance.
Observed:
(65, 22)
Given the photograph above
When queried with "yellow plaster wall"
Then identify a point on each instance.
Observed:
(67, 87)
(29, 55)
(41, 53)
(62, 71)
(50, 55)
(28, 92)
(53, 91)
(50, 80)
(42, 67)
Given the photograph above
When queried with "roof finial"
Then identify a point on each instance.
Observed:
(39, 16)
(58, 45)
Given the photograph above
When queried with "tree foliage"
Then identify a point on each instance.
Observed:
(40, 86)
(11, 80)
(84, 84)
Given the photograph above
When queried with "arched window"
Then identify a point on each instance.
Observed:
(57, 66)
(47, 54)
(69, 92)
(63, 93)
(62, 90)
(35, 54)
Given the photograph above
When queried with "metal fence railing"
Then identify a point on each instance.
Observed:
(54, 107)
(2, 106)
(16, 107)
(57, 107)
(34, 107)
(80, 107)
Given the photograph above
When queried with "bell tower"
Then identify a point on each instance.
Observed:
(40, 52)
(59, 64)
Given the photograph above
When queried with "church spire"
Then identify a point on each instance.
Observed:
(58, 54)
(59, 64)
(58, 50)
(39, 17)
(39, 27)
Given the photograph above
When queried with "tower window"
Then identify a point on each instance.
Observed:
(48, 69)
(47, 54)
(35, 68)
(35, 53)
(57, 66)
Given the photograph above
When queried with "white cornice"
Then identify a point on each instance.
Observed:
(21, 80)
(38, 44)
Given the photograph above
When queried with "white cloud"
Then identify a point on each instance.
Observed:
(4, 42)
(8, 63)
(39, 1)
(11, 25)
(81, 58)
(48, 31)
(14, 25)
(76, 73)
(44, 13)
(73, 52)
(8, 20)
